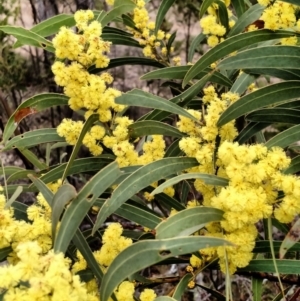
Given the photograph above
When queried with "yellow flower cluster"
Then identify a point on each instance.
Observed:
(113, 244)
(41, 277)
(200, 142)
(13, 232)
(255, 178)
(211, 26)
(281, 15)
(88, 92)
(154, 44)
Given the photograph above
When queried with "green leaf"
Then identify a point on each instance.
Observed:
(204, 6)
(270, 95)
(222, 14)
(32, 138)
(285, 266)
(287, 74)
(64, 195)
(22, 174)
(83, 165)
(27, 37)
(152, 127)
(146, 253)
(242, 83)
(174, 150)
(43, 189)
(182, 99)
(257, 288)
(162, 11)
(164, 298)
(127, 60)
(285, 57)
(285, 138)
(135, 214)
(195, 43)
(232, 44)
(118, 39)
(140, 98)
(206, 178)
(248, 17)
(140, 179)
(10, 170)
(275, 115)
(181, 286)
(84, 248)
(87, 125)
(4, 253)
(187, 222)
(166, 200)
(290, 239)
(263, 246)
(249, 131)
(15, 195)
(79, 207)
(31, 157)
(239, 7)
(125, 7)
(294, 166)
(179, 72)
(20, 211)
(37, 103)
(52, 25)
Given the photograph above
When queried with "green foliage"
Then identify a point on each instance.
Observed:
(188, 181)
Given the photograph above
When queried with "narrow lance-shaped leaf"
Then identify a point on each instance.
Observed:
(152, 127)
(290, 239)
(42, 187)
(179, 72)
(146, 253)
(118, 39)
(242, 83)
(182, 99)
(119, 9)
(282, 57)
(181, 286)
(275, 115)
(285, 138)
(30, 139)
(239, 7)
(27, 37)
(82, 165)
(127, 60)
(206, 178)
(84, 248)
(232, 44)
(285, 266)
(195, 43)
(140, 98)
(52, 25)
(16, 194)
(135, 214)
(187, 222)
(270, 95)
(82, 203)
(162, 10)
(251, 15)
(204, 6)
(87, 125)
(36, 104)
(64, 195)
(140, 179)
